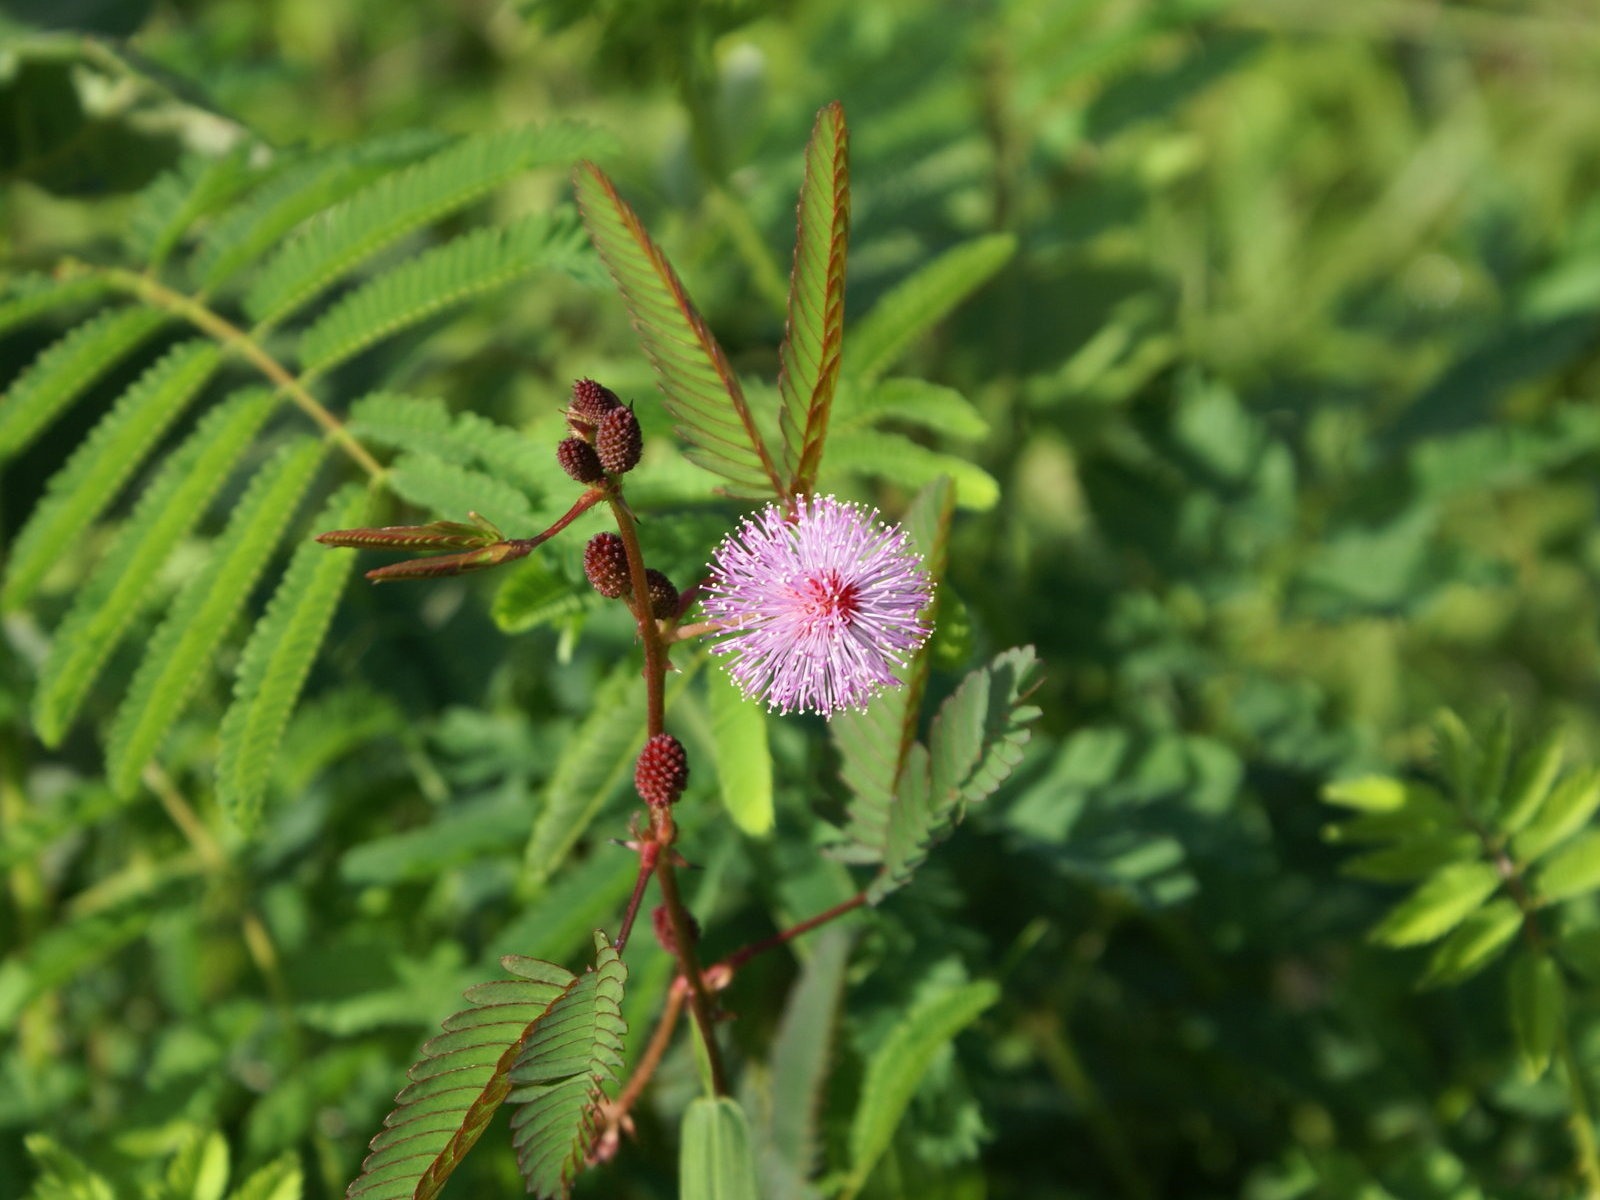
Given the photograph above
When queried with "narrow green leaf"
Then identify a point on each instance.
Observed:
(899, 460)
(566, 1064)
(744, 763)
(453, 491)
(443, 277)
(813, 336)
(1494, 756)
(1413, 858)
(66, 368)
(1456, 751)
(1530, 786)
(693, 372)
(1438, 906)
(63, 1176)
(118, 588)
(166, 209)
(242, 235)
(397, 204)
(199, 1171)
(91, 478)
(1367, 793)
(200, 617)
(1571, 804)
(914, 402)
(280, 1179)
(922, 301)
(462, 1077)
(897, 1066)
(426, 426)
(33, 294)
(715, 1161)
(1537, 1001)
(802, 1051)
(278, 658)
(1474, 943)
(1573, 869)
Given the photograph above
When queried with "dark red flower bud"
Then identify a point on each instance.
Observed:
(605, 562)
(663, 596)
(662, 771)
(578, 459)
(590, 402)
(618, 441)
(661, 921)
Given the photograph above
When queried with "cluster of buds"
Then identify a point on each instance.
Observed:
(605, 563)
(605, 436)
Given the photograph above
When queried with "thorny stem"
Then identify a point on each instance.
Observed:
(152, 291)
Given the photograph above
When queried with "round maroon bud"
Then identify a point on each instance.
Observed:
(590, 402)
(661, 921)
(662, 771)
(578, 459)
(605, 562)
(663, 596)
(618, 441)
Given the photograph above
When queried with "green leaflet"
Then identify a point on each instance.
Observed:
(1573, 869)
(566, 1063)
(278, 658)
(1474, 943)
(205, 609)
(897, 1068)
(810, 355)
(744, 762)
(62, 1175)
(253, 227)
(426, 426)
(199, 1171)
(66, 368)
(1537, 1002)
(693, 372)
(117, 589)
(802, 1051)
(391, 207)
(916, 402)
(458, 1083)
(898, 459)
(438, 279)
(716, 1161)
(879, 340)
(451, 491)
(280, 1179)
(1439, 905)
(24, 297)
(167, 208)
(1567, 810)
(103, 461)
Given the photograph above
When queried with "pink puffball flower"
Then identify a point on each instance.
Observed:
(818, 608)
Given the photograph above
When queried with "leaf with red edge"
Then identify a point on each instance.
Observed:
(813, 336)
(691, 368)
(461, 1079)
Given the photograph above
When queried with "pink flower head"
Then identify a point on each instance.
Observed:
(819, 607)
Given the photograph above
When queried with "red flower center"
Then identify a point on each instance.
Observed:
(826, 597)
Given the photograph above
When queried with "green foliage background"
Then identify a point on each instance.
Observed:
(1288, 391)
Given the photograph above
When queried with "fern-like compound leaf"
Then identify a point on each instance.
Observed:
(691, 369)
(257, 224)
(873, 743)
(168, 207)
(813, 337)
(27, 296)
(975, 742)
(453, 491)
(177, 656)
(567, 1061)
(91, 478)
(898, 1065)
(913, 307)
(439, 279)
(66, 368)
(397, 204)
(278, 658)
(116, 591)
(461, 1079)
(426, 426)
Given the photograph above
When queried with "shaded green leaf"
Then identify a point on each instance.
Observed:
(1537, 1002)
(1530, 785)
(277, 659)
(1573, 869)
(715, 1159)
(899, 460)
(744, 763)
(1438, 906)
(1571, 804)
(1474, 943)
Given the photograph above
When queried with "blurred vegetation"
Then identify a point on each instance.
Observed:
(1289, 390)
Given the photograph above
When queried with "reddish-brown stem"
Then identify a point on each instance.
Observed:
(741, 956)
(584, 503)
(654, 659)
(649, 853)
(689, 965)
(653, 1053)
